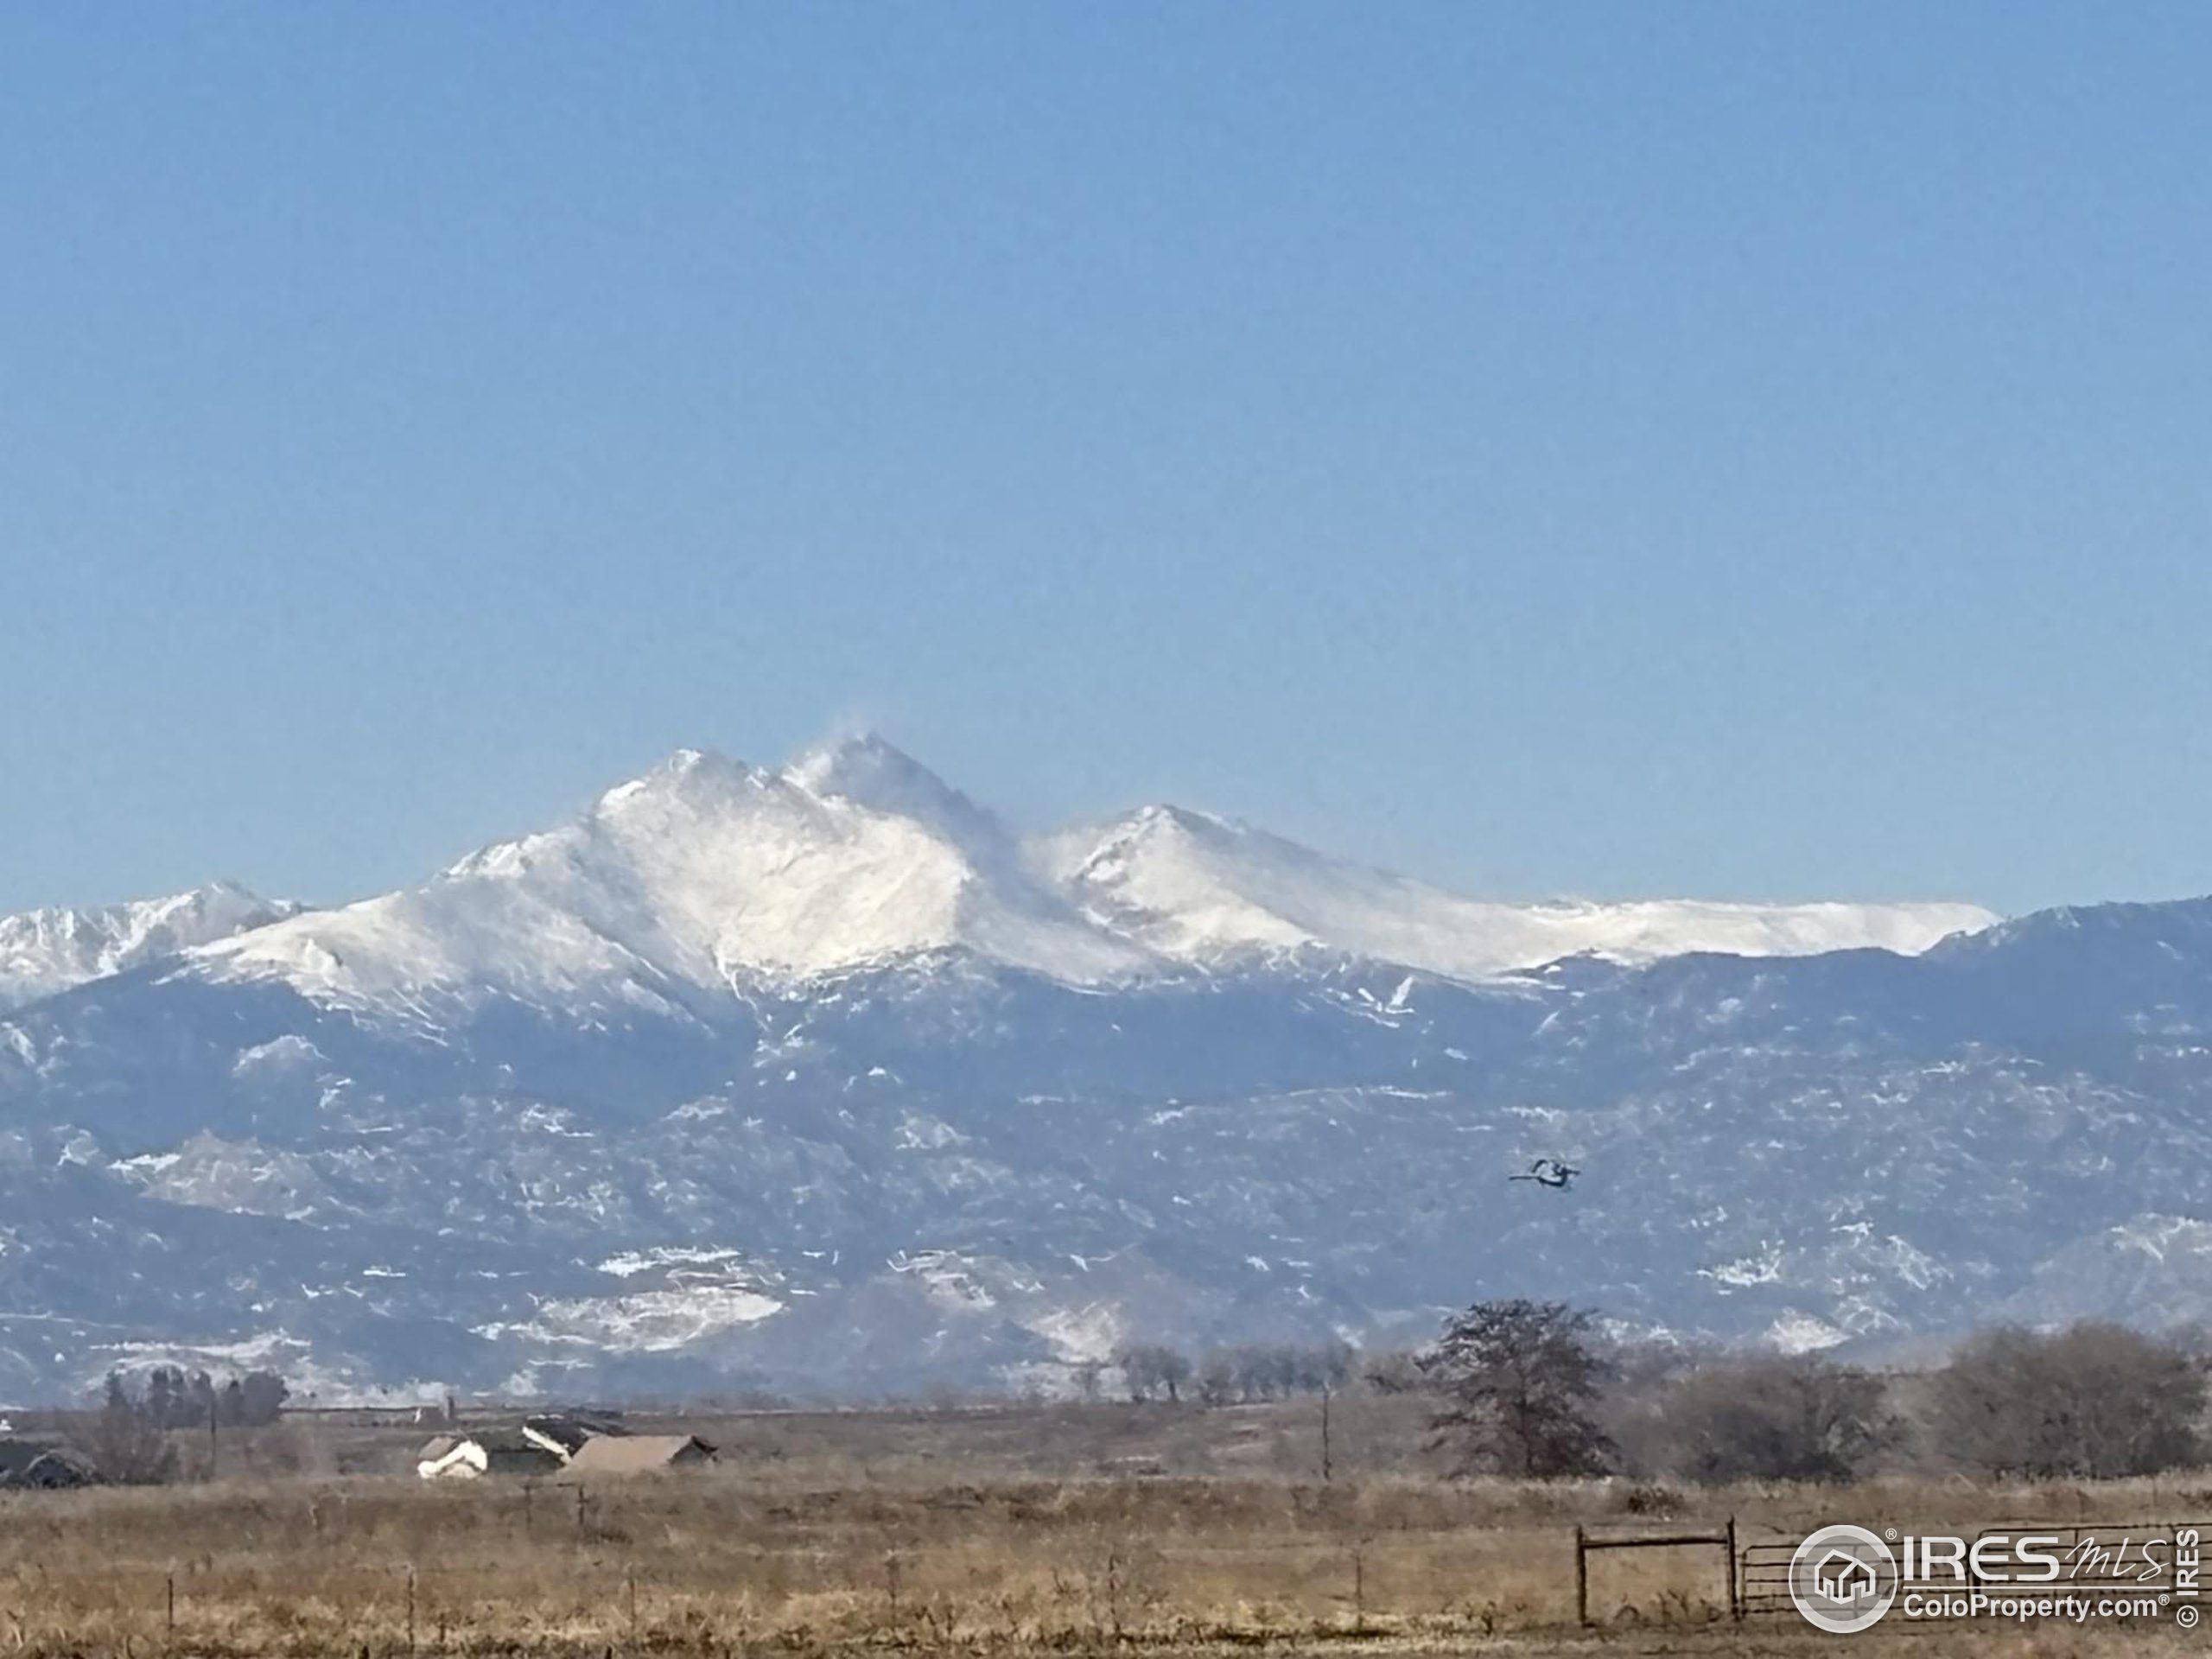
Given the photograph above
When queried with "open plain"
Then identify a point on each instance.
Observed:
(1069, 1528)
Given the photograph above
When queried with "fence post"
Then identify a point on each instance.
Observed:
(1735, 1596)
(633, 1606)
(172, 1610)
(1581, 1577)
(410, 1608)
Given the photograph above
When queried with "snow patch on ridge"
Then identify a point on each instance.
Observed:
(43, 952)
(650, 1321)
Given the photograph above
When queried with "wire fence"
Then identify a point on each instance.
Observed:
(704, 1594)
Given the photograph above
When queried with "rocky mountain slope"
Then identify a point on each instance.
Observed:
(43, 951)
(820, 1078)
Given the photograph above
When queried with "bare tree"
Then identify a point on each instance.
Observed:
(262, 1397)
(1518, 1381)
(1216, 1381)
(1771, 1418)
(1265, 1370)
(124, 1442)
(2094, 1401)
(1173, 1370)
(1324, 1367)
(1150, 1369)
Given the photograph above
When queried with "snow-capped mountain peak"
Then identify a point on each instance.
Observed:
(45, 951)
(869, 770)
(700, 876)
(705, 876)
(1199, 887)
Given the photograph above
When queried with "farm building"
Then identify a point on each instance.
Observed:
(36, 1466)
(487, 1452)
(539, 1445)
(641, 1454)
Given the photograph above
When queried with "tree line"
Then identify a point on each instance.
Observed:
(1240, 1375)
(127, 1441)
(1537, 1390)
(1532, 1390)
(174, 1399)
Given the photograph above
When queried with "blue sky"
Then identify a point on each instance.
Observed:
(1613, 449)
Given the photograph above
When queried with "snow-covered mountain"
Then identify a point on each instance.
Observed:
(821, 1078)
(1202, 888)
(43, 951)
(708, 879)
(701, 880)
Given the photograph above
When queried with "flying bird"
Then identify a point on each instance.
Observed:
(1549, 1172)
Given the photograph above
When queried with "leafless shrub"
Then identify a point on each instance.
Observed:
(2094, 1401)
(1769, 1418)
(126, 1442)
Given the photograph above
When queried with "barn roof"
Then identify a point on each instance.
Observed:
(568, 1430)
(630, 1454)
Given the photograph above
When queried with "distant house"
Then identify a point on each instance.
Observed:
(639, 1455)
(487, 1452)
(36, 1466)
(541, 1445)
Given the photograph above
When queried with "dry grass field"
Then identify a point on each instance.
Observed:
(1067, 1527)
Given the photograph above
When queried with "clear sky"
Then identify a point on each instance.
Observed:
(1611, 448)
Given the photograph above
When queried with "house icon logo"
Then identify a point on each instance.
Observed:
(1843, 1579)
(1841, 1576)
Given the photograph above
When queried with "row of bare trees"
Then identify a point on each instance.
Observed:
(1537, 1390)
(1222, 1376)
(1531, 1390)
(176, 1399)
(127, 1441)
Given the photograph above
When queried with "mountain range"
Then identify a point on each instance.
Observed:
(823, 1079)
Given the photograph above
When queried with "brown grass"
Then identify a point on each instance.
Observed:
(945, 1531)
